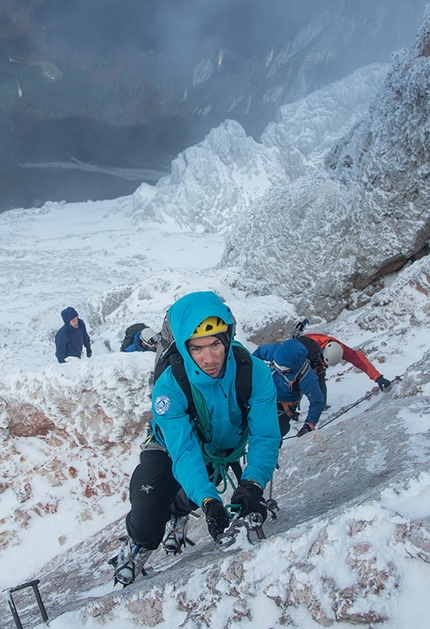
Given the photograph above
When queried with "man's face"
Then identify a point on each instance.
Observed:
(74, 322)
(208, 353)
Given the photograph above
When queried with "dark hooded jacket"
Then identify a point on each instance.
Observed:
(69, 341)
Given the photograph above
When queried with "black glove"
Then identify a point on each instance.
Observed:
(249, 495)
(216, 517)
(382, 383)
(89, 353)
(304, 430)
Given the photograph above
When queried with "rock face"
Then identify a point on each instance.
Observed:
(363, 216)
(59, 436)
(387, 155)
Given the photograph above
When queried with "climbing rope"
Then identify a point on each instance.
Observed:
(211, 452)
(345, 409)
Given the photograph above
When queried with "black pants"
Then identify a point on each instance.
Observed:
(323, 385)
(284, 421)
(155, 495)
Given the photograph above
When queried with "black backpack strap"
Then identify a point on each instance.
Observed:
(302, 372)
(178, 371)
(243, 382)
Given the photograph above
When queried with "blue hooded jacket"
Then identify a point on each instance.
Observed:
(170, 403)
(292, 354)
(69, 341)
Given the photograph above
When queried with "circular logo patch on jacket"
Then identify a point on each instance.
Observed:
(162, 404)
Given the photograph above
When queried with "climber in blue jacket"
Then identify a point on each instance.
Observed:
(293, 378)
(184, 457)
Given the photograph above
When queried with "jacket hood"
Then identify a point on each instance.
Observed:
(189, 311)
(291, 354)
(68, 314)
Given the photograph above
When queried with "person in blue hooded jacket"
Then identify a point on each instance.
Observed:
(292, 375)
(71, 338)
(174, 476)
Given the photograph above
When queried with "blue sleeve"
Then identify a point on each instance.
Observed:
(61, 345)
(135, 345)
(310, 387)
(265, 352)
(264, 433)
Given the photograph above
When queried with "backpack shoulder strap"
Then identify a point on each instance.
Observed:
(302, 372)
(178, 370)
(243, 380)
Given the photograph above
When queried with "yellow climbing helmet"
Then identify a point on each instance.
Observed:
(209, 327)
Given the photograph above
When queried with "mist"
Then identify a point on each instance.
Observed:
(128, 85)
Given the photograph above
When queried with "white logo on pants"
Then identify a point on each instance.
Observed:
(146, 488)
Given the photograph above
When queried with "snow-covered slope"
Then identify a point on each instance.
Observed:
(70, 440)
(351, 542)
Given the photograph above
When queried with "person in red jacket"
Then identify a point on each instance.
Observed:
(333, 351)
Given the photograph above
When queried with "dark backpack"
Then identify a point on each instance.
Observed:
(130, 333)
(169, 356)
(314, 353)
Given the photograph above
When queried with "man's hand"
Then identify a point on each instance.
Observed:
(216, 517)
(89, 353)
(249, 495)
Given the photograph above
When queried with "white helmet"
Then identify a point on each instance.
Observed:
(332, 353)
(149, 336)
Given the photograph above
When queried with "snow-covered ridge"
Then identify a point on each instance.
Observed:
(214, 182)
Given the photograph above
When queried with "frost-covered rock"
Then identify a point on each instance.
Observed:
(305, 130)
(212, 182)
(327, 233)
(286, 243)
(61, 432)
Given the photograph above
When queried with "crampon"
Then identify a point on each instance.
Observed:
(250, 524)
